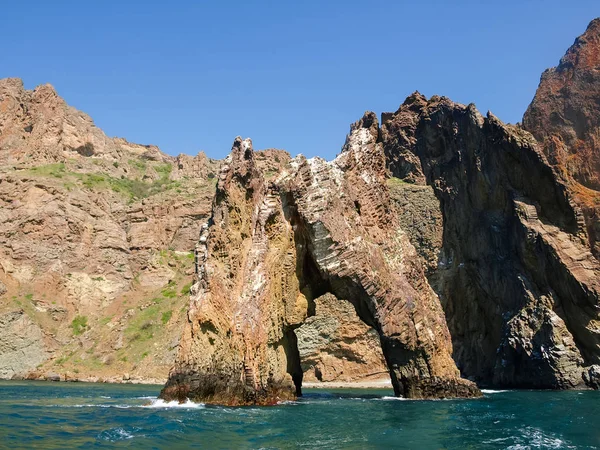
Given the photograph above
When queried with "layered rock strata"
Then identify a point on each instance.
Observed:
(273, 247)
(336, 346)
(96, 243)
(518, 283)
(564, 117)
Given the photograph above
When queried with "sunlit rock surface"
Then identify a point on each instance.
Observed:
(273, 247)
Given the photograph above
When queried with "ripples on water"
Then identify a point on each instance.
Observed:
(65, 415)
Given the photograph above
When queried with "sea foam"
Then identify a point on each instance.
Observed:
(160, 403)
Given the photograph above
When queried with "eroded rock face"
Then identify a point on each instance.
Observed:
(273, 247)
(98, 229)
(518, 283)
(22, 346)
(336, 345)
(236, 346)
(39, 126)
(564, 117)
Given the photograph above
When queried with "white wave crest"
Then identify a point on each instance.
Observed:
(529, 438)
(118, 434)
(160, 403)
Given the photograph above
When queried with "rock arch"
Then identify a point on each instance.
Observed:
(274, 245)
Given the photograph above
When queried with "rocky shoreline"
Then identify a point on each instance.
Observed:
(74, 378)
(441, 246)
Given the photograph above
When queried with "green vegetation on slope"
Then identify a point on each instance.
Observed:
(79, 325)
(131, 188)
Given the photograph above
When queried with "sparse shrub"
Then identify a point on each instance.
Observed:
(139, 164)
(79, 324)
(164, 170)
(185, 290)
(169, 293)
(49, 170)
(105, 320)
(166, 316)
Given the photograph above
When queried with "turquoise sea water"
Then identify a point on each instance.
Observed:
(79, 415)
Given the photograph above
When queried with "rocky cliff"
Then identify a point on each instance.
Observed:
(273, 247)
(564, 117)
(438, 247)
(515, 275)
(96, 243)
(439, 200)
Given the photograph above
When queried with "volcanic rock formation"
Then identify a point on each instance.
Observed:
(564, 117)
(96, 243)
(511, 264)
(96, 246)
(518, 283)
(273, 247)
(447, 239)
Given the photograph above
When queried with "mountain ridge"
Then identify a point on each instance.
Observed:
(464, 248)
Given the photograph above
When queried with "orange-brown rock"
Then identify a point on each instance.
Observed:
(96, 242)
(564, 117)
(273, 247)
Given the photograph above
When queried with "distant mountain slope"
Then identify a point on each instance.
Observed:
(96, 242)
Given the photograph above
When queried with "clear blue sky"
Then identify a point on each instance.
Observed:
(192, 75)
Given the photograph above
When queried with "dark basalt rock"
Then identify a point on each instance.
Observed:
(518, 284)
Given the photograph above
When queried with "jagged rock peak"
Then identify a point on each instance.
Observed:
(239, 165)
(513, 247)
(11, 84)
(584, 52)
(243, 145)
(362, 132)
(39, 127)
(564, 115)
(273, 248)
